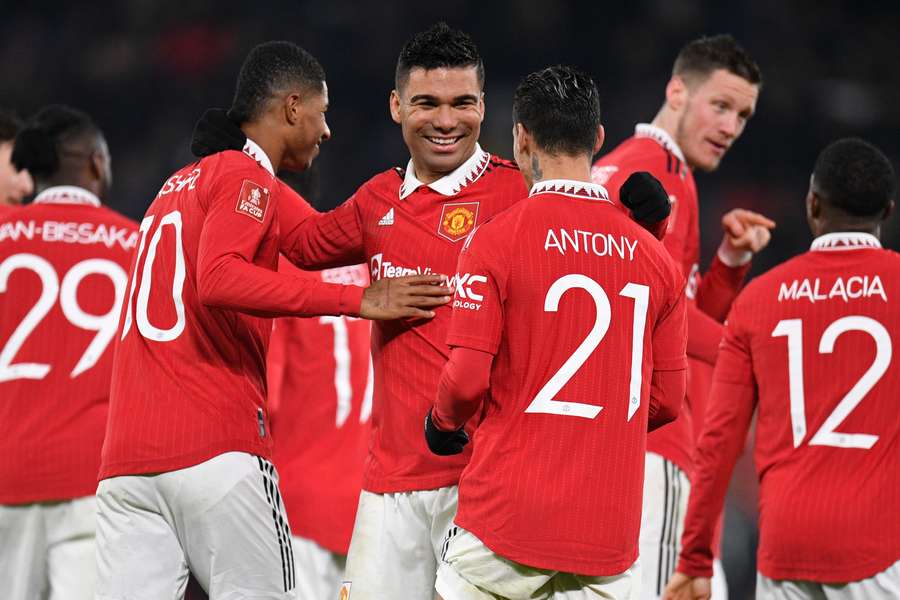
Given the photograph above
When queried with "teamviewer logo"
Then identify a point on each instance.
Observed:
(375, 266)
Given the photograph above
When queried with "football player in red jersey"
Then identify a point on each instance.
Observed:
(63, 265)
(709, 100)
(550, 503)
(15, 184)
(808, 346)
(406, 221)
(320, 396)
(186, 480)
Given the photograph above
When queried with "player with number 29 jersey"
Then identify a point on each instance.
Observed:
(63, 274)
(556, 474)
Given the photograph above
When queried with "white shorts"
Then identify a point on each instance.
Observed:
(319, 571)
(222, 519)
(666, 489)
(396, 544)
(881, 585)
(471, 571)
(47, 550)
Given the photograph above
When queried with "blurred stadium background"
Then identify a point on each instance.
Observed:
(146, 69)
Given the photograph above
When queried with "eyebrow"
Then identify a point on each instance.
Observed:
(430, 98)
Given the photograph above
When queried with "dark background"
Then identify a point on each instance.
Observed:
(146, 69)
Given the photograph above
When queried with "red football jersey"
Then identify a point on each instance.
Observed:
(189, 378)
(810, 347)
(320, 395)
(556, 477)
(653, 150)
(399, 226)
(63, 273)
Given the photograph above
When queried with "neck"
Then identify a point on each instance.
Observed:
(426, 176)
(849, 227)
(91, 186)
(667, 120)
(266, 136)
(560, 166)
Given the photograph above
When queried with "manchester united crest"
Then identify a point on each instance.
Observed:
(457, 220)
(345, 590)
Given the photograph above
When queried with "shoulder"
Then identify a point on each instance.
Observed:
(117, 218)
(639, 154)
(386, 182)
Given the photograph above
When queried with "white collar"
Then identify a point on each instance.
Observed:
(660, 136)
(254, 151)
(451, 183)
(570, 187)
(67, 194)
(845, 240)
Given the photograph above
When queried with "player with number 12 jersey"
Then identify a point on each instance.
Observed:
(811, 347)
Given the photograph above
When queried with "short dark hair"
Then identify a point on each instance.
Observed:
(9, 125)
(269, 68)
(855, 177)
(699, 58)
(560, 107)
(41, 140)
(439, 46)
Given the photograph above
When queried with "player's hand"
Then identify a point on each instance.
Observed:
(645, 197)
(682, 587)
(215, 132)
(746, 233)
(444, 443)
(404, 297)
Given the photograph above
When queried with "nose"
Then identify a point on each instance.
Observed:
(444, 119)
(326, 135)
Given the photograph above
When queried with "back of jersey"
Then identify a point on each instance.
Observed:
(579, 304)
(63, 272)
(822, 335)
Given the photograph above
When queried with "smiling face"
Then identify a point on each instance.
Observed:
(713, 114)
(440, 113)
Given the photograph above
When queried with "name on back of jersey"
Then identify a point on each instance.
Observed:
(842, 288)
(69, 233)
(597, 243)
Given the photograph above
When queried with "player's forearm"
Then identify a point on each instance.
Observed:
(658, 229)
(719, 446)
(314, 240)
(667, 389)
(232, 283)
(704, 335)
(719, 287)
(464, 380)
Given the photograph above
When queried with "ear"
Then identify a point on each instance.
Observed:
(394, 105)
(96, 165)
(522, 139)
(676, 93)
(888, 211)
(292, 108)
(598, 143)
(481, 105)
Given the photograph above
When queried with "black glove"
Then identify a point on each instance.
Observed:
(644, 195)
(215, 132)
(444, 443)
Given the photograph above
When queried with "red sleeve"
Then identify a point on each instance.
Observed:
(719, 287)
(464, 380)
(667, 389)
(226, 274)
(477, 320)
(314, 240)
(705, 335)
(730, 410)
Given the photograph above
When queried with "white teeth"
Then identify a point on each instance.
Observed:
(443, 141)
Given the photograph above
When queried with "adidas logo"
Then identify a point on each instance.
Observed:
(388, 218)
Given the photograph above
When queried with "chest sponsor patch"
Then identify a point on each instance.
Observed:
(253, 200)
(457, 220)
